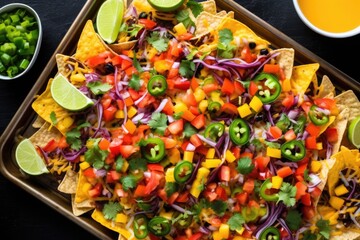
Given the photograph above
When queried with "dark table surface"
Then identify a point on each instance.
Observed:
(25, 217)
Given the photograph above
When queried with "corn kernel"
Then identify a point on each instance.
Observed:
(286, 85)
(174, 155)
(77, 78)
(180, 107)
(319, 146)
(217, 235)
(188, 156)
(125, 166)
(167, 215)
(256, 104)
(199, 94)
(224, 231)
(229, 156)
(244, 110)
(336, 202)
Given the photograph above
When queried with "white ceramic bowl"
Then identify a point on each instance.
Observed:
(320, 31)
(11, 7)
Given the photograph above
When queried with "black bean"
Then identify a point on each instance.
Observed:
(143, 15)
(252, 45)
(264, 51)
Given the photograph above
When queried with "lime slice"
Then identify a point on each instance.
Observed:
(354, 132)
(166, 5)
(28, 159)
(109, 19)
(67, 95)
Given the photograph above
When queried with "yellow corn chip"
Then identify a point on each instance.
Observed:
(340, 124)
(99, 217)
(209, 6)
(326, 88)
(81, 191)
(38, 122)
(302, 76)
(69, 182)
(44, 105)
(348, 99)
(89, 44)
(80, 208)
(42, 136)
(285, 59)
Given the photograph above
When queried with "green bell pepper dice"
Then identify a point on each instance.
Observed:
(239, 131)
(153, 149)
(269, 87)
(293, 150)
(318, 117)
(270, 233)
(159, 226)
(183, 171)
(157, 85)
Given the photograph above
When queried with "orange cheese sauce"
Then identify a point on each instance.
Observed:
(332, 15)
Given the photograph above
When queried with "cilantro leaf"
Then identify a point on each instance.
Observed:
(309, 236)
(189, 130)
(236, 221)
(225, 36)
(98, 87)
(119, 163)
(183, 16)
(158, 42)
(73, 136)
(134, 82)
(245, 165)
(136, 64)
(170, 188)
(95, 156)
(225, 48)
(293, 220)
(111, 209)
(137, 164)
(219, 207)
(187, 68)
(128, 182)
(287, 194)
(53, 118)
(324, 228)
(195, 7)
(158, 122)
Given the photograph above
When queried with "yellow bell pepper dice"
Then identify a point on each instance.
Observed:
(341, 190)
(244, 110)
(273, 152)
(229, 156)
(211, 163)
(84, 165)
(286, 85)
(188, 156)
(256, 104)
(169, 175)
(315, 166)
(224, 231)
(121, 218)
(276, 182)
(336, 202)
(180, 29)
(210, 153)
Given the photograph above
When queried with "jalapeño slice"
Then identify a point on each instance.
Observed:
(269, 87)
(270, 233)
(239, 132)
(140, 226)
(214, 131)
(159, 226)
(183, 171)
(153, 149)
(157, 85)
(293, 150)
(317, 116)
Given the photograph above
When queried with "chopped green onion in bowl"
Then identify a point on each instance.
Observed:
(20, 39)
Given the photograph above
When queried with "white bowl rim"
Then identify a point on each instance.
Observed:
(350, 33)
(10, 7)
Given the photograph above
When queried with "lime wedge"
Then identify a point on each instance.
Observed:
(166, 5)
(67, 95)
(354, 132)
(28, 159)
(109, 19)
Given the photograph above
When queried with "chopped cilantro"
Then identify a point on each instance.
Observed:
(293, 220)
(245, 165)
(128, 182)
(195, 7)
(170, 188)
(187, 68)
(134, 82)
(136, 64)
(98, 87)
(53, 118)
(189, 130)
(287, 194)
(225, 36)
(324, 228)
(191, 55)
(158, 123)
(272, 144)
(183, 16)
(94, 155)
(300, 124)
(178, 115)
(119, 163)
(236, 221)
(111, 209)
(158, 42)
(73, 136)
(225, 48)
(309, 236)
(219, 207)
(137, 164)
(132, 30)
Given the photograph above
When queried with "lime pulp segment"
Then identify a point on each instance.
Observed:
(166, 5)
(28, 159)
(67, 95)
(354, 132)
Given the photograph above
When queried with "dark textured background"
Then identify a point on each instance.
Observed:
(22, 216)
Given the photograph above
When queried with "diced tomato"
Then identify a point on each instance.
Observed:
(153, 182)
(225, 173)
(229, 108)
(133, 94)
(89, 172)
(300, 190)
(313, 130)
(188, 115)
(50, 146)
(306, 106)
(182, 85)
(194, 83)
(227, 87)
(196, 141)
(301, 169)
(238, 88)
(185, 36)
(271, 68)
(253, 88)
(202, 150)
(308, 212)
(236, 151)
(199, 121)
(242, 198)
(105, 102)
(125, 64)
(96, 190)
(148, 24)
(115, 175)
(140, 191)
(284, 172)
(172, 198)
(196, 236)
(316, 192)
(221, 193)
(109, 113)
(95, 61)
(155, 167)
(327, 103)
(114, 146)
(288, 101)
(183, 197)
(247, 55)
(116, 60)
(176, 127)
(306, 199)
(62, 143)
(189, 99)
(290, 135)
(127, 150)
(208, 88)
(104, 144)
(169, 142)
(175, 49)
(173, 72)
(332, 134)
(310, 142)
(275, 132)
(249, 185)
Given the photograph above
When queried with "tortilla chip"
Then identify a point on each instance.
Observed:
(99, 217)
(44, 105)
(61, 62)
(340, 124)
(81, 195)
(348, 235)
(302, 76)
(241, 31)
(38, 122)
(326, 88)
(206, 22)
(81, 208)
(89, 44)
(285, 59)
(209, 7)
(326, 165)
(142, 6)
(348, 99)
(119, 47)
(42, 136)
(69, 182)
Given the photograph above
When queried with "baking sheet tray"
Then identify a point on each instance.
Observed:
(44, 187)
